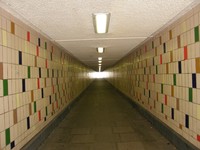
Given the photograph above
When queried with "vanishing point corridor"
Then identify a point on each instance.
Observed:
(102, 119)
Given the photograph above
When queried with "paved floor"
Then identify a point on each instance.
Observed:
(103, 120)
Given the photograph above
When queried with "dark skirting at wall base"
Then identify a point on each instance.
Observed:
(179, 142)
(38, 139)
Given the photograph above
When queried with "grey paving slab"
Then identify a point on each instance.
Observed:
(103, 120)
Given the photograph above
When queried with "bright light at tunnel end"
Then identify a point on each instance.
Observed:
(99, 75)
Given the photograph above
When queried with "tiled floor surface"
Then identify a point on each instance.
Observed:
(103, 120)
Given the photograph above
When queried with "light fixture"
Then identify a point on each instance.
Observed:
(101, 22)
(99, 58)
(100, 61)
(99, 64)
(100, 49)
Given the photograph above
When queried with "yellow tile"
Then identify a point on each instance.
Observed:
(4, 38)
(198, 112)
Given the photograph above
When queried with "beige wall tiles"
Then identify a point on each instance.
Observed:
(3, 22)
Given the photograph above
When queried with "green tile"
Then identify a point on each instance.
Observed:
(35, 107)
(5, 87)
(29, 72)
(190, 94)
(162, 88)
(7, 136)
(156, 69)
(196, 33)
(45, 45)
(174, 78)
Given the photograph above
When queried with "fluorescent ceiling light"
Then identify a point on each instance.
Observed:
(100, 49)
(101, 22)
(99, 58)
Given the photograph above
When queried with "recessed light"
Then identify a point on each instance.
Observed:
(101, 22)
(99, 58)
(100, 49)
(100, 61)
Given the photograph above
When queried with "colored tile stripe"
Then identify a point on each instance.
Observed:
(12, 144)
(194, 84)
(161, 59)
(29, 72)
(197, 61)
(190, 95)
(20, 57)
(185, 53)
(39, 115)
(187, 121)
(162, 108)
(174, 79)
(28, 36)
(172, 113)
(23, 85)
(156, 69)
(38, 83)
(40, 73)
(179, 67)
(45, 45)
(46, 111)
(35, 109)
(39, 42)
(37, 50)
(162, 88)
(177, 104)
(196, 33)
(165, 99)
(5, 87)
(42, 92)
(12, 27)
(28, 123)
(7, 134)
(198, 138)
(164, 47)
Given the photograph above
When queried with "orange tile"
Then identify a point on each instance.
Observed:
(197, 65)
(12, 27)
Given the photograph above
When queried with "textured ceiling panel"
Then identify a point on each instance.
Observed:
(69, 23)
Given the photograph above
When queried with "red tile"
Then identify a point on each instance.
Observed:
(37, 50)
(39, 115)
(165, 99)
(198, 137)
(28, 36)
(160, 59)
(185, 53)
(38, 83)
(46, 63)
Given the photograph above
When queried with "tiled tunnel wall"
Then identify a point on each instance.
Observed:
(163, 76)
(37, 81)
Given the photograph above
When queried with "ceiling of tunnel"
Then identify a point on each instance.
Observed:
(70, 24)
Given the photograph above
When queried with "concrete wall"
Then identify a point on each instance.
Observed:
(37, 81)
(163, 76)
